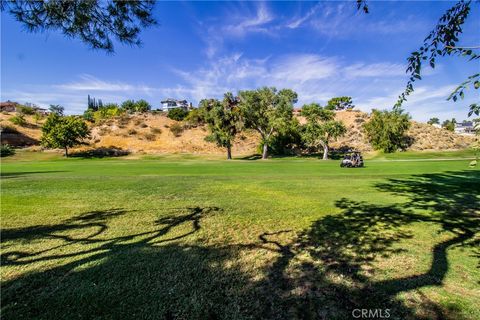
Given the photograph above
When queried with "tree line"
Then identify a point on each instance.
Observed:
(266, 110)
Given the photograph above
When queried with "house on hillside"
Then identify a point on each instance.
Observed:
(41, 111)
(9, 106)
(465, 127)
(170, 104)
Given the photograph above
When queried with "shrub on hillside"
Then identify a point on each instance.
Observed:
(150, 136)
(176, 129)
(27, 110)
(19, 120)
(124, 119)
(136, 106)
(6, 150)
(155, 130)
(37, 117)
(177, 114)
(195, 118)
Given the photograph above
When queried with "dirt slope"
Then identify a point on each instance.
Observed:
(150, 133)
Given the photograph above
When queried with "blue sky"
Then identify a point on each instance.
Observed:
(203, 49)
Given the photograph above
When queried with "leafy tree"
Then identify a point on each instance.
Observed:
(386, 129)
(196, 116)
(449, 124)
(94, 104)
(224, 121)
(106, 111)
(57, 109)
(267, 111)
(142, 106)
(96, 23)
(340, 103)
(177, 114)
(63, 132)
(27, 110)
(136, 106)
(442, 41)
(287, 140)
(128, 105)
(89, 115)
(433, 121)
(321, 127)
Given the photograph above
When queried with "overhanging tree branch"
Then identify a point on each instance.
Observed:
(96, 23)
(442, 41)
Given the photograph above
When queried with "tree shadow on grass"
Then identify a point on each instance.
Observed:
(329, 270)
(11, 175)
(324, 272)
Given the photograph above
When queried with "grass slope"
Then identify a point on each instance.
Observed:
(191, 238)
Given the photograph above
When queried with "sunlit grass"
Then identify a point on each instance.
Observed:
(192, 237)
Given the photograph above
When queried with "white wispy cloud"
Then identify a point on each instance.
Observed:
(343, 19)
(375, 70)
(240, 23)
(315, 78)
(243, 25)
(90, 83)
(300, 20)
(304, 67)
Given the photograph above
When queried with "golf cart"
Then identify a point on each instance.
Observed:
(352, 160)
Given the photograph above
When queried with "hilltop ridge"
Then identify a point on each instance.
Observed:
(151, 133)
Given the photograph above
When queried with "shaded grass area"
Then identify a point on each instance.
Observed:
(203, 239)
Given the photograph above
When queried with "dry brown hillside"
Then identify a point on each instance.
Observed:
(150, 133)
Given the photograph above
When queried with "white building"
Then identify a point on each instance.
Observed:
(464, 128)
(170, 104)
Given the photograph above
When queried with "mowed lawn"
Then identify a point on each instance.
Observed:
(192, 238)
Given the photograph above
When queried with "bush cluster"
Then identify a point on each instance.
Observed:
(18, 120)
(6, 150)
(176, 129)
(177, 114)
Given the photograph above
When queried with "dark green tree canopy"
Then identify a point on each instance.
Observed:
(433, 121)
(177, 114)
(321, 127)
(97, 23)
(224, 120)
(449, 124)
(57, 109)
(142, 106)
(136, 106)
(340, 103)
(63, 132)
(267, 111)
(386, 129)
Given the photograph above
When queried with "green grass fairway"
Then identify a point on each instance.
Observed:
(184, 237)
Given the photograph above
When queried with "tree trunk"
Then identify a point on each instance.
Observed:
(265, 151)
(229, 153)
(66, 152)
(325, 151)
